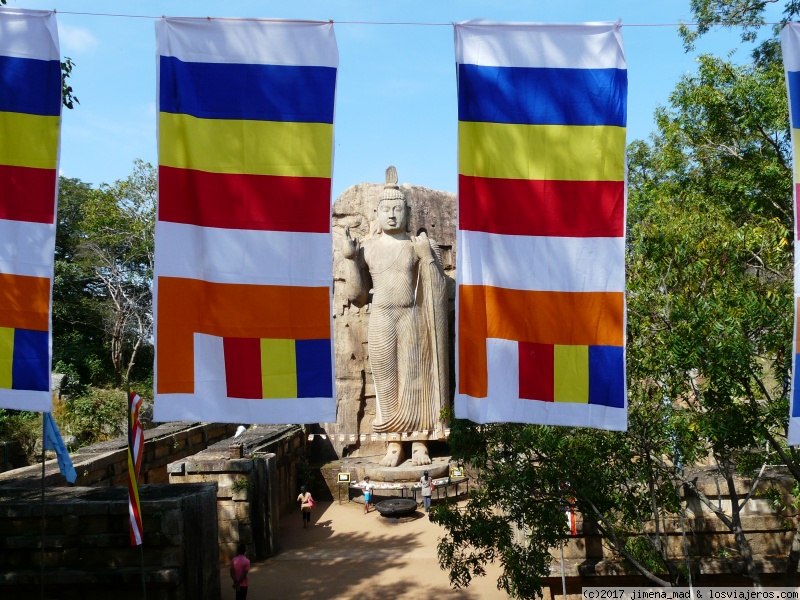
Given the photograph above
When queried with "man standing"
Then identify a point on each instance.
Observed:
(240, 565)
(368, 487)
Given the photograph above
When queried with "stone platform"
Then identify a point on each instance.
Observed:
(389, 481)
(408, 472)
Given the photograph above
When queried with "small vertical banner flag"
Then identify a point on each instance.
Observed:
(52, 440)
(135, 446)
(790, 45)
(30, 121)
(541, 234)
(243, 259)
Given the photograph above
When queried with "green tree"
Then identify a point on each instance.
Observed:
(119, 223)
(78, 335)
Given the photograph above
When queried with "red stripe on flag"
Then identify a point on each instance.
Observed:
(536, 371)
(27, 194)
(237, 201)
(243, 367)
(542, 207)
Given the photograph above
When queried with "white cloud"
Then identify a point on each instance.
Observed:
(75, 40)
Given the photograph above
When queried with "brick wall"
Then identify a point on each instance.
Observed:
(87, 552)
(106, 463)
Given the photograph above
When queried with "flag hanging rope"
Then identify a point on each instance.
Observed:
(401, 23)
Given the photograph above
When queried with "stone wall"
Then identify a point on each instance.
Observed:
(712, 550)
(256, 479)
(12, 456)
(355, 394)
(106, 463)
(87, 552)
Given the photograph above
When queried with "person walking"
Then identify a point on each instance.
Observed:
(427, 488)
(306, 504)
(368, 487)
(240, 565)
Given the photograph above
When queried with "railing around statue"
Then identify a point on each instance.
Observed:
(445, 487)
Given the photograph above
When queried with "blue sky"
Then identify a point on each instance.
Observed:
(396, 91)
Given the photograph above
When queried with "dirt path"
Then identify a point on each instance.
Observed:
(349, 555)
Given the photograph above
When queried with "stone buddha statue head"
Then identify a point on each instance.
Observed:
(393, 209)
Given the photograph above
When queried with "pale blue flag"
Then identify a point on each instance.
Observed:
(52, 441)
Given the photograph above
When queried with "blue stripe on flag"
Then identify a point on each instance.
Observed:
(314, 376)
(31, 367)
(541, 96)
(793, 82)
(244, 91)
(30, 86)
(607, 376)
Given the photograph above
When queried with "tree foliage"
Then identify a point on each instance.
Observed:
(117, 250)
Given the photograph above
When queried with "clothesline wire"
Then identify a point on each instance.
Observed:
(403, 23)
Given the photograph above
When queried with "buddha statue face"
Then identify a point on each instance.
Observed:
(393, 215)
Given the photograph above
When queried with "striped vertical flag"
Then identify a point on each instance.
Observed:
(541, 208)
(790, 44)
(243, 259)
(135, 446)
(30, 120)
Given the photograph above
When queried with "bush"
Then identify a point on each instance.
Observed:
(21, 426)
(95, 416)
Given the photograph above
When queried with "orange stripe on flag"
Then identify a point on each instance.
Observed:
(189, 306)
(24, 302)
(563, 318)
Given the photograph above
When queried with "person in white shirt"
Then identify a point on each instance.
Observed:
(368, 486)
(426, 481)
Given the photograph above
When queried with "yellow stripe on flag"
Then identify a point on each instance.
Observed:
(796, 152)
(571, 369)
(246, 147)
(6, 356)
(278, 369)
(541, 152)
(28, 140)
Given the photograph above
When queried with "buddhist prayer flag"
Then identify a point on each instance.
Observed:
(30, 117)
(243, 259)
(541, 207)
(52, 440)
(790, 44)
(135, 448)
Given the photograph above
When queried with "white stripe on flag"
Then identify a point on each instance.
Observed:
(796, 267)
(137, 533)
(27, 248)
(210, 402)
(538, 263)
(29, 34)
(533, 45)
(243, 256)
(253, 42)
(26, 400)
(790, 41)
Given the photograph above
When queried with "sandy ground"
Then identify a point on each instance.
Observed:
(347, 554)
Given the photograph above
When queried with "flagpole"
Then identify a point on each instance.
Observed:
(41, 585)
